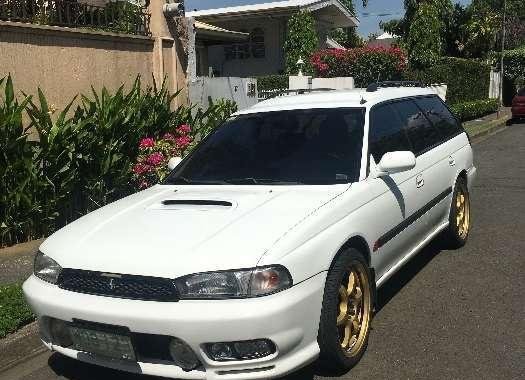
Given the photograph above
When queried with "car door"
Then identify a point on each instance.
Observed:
(432, 176)
(438, 155)
(394, 195)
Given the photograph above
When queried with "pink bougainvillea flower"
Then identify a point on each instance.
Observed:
(147, 142)
(155, 159)
(141, 168)
(183, 141)
(183, 129)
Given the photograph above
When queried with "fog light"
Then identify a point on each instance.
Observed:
(243, 350)
(221, 352)
(183, 355)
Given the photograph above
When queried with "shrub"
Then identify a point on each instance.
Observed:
(301, 42)
(366, 65)
(272, 82)
(472, 110)
(152, 163)
(514, 61)
(467, 80)
(19, 182)
(14, 311)
(82, 159)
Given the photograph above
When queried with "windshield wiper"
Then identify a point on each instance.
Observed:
(260, 181)
(186, 181)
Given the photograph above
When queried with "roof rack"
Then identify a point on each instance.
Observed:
(375, 86)
(300, 91)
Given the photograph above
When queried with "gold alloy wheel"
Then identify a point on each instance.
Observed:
(462, 213)
(354, 310)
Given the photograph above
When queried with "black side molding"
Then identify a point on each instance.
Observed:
(411, 219)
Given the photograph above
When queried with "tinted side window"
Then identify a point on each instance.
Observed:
(387, 133)
(421, 133)
(439, 115)
(521, 92)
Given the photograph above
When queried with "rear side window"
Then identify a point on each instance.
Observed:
(521, 92)
(387, 133)
(421, 133)
(439, 115)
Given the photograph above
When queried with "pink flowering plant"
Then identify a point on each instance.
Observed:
(151, 166)
(366, 65)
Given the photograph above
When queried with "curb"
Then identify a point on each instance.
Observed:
(20, 346)
(495, 126)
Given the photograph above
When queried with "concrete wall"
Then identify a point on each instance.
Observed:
(65, 62)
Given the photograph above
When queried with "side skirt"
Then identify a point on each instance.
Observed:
(410, 254)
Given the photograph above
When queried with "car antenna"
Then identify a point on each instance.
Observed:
(363, 100)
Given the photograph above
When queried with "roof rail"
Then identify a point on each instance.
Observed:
(299, 91)
(403, 83)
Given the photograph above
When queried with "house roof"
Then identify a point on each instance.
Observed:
(275, 7)
(212, 33)
(386, 36)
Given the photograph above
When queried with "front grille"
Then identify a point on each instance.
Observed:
(118, 286)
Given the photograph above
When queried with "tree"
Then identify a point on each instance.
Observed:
(347, 37)
(423, 42)
(301, 42)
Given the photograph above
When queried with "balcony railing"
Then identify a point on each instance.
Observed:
(118, 17)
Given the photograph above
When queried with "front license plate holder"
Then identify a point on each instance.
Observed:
(112, 343)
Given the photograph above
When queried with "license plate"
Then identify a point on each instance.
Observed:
(102, 343)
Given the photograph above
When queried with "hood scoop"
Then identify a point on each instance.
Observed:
(196, 202)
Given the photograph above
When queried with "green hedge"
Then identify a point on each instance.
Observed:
(366, 65)
(14, 311)
(272, 82)
(467, 79)
(472, 110)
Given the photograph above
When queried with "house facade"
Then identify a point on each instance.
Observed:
(259, 49)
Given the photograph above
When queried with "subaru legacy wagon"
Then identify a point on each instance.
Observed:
(263, 249)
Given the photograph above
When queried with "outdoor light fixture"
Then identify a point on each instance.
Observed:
(173, 8)
(300, 64)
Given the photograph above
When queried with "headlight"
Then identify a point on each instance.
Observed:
(243, 283)
(46, 268)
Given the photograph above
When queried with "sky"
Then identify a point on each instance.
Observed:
(370, 16)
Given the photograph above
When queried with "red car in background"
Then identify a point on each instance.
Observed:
(518, 105)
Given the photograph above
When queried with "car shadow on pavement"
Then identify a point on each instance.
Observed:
(74, 370)
(384, 295)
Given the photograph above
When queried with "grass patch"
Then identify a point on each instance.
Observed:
(14, 311)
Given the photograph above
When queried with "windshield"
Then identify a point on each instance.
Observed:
(312, 146)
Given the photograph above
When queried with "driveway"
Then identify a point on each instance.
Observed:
(447, 314)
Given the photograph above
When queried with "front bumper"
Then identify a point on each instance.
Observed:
(289, 318)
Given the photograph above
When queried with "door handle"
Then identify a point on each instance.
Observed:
(451, 161)
(420, 181)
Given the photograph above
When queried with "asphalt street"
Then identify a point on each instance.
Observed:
(447, 314)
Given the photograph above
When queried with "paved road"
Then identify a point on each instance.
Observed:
(448, 314)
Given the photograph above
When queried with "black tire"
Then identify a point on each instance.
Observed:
(349, 264)
(456, 234)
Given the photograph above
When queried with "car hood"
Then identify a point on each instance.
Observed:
(170, 231)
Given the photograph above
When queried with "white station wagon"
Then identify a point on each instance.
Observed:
(263, 249)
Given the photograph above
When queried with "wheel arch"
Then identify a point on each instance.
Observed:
(359, 243)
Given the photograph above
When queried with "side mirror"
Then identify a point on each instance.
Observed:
(173, 162)
(396, 162)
